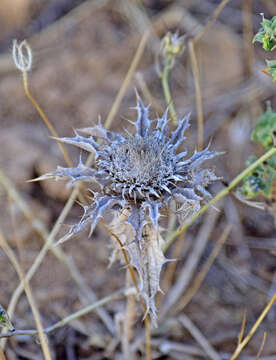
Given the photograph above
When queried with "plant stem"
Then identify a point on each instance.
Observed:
(245, 341)
(70, 317)
(166, 87)
(219, 196)
(44, 117)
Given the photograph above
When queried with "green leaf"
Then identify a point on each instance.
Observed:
(271, 64)
(4, 320)
(267, 34)
(265, 128)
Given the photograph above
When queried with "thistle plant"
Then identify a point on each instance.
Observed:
(137, 176)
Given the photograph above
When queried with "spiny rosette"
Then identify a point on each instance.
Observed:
(138, 175)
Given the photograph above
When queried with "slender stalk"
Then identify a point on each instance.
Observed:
(70, 317)
(253, 329)
(18, 291)
(44, 117)
(171, 237)
(131, 70)
(166, 87)
(212, 20)
(35, 311)
(197, 281)
(195, 70)
(49, 125)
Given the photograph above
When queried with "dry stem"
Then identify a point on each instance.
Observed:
(203, 272)
(24, 281)
(245, 341)
(199, 337)
(195, 69)
(41, 255)
(44, 118)
(116, 295)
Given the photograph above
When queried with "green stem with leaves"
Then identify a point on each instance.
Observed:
(171, 237)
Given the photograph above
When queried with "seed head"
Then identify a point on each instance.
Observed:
(22, 55)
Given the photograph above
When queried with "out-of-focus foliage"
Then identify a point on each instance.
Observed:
(4, 320)
(259, 182)
(265, 128)
(271, 68)
(267, 34)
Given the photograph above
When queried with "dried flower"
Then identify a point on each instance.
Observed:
(22, 55)
(138, 175)
(172, 44)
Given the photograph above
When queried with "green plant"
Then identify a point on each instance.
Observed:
(260, 181)
(267, 37)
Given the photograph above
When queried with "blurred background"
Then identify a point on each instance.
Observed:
(82, 51)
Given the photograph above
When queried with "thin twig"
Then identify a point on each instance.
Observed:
(125, 84)
(212, 20)
(49, 125)
(240, 337)
(199, 337)
(171, 268)
(189, 267)
(116, 295)
(139, 77)
(261, 347)
(18, 291)
(128, 321)
(245, 341)
(44, 118)
(200, 127)
(203, 272)
(35, 311)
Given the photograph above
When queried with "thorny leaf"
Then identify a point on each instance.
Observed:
(145, 256)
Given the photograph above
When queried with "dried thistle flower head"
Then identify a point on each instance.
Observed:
(140, 174)
(172, 44)
(22, 55)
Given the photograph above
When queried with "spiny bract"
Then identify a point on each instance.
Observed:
(140, 173)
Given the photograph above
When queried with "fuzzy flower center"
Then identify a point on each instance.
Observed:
(141, 162)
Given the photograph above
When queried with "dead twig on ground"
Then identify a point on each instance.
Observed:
(116, 295)
(9, 252)
(203, 272)
(199, 337)
(188, 269)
